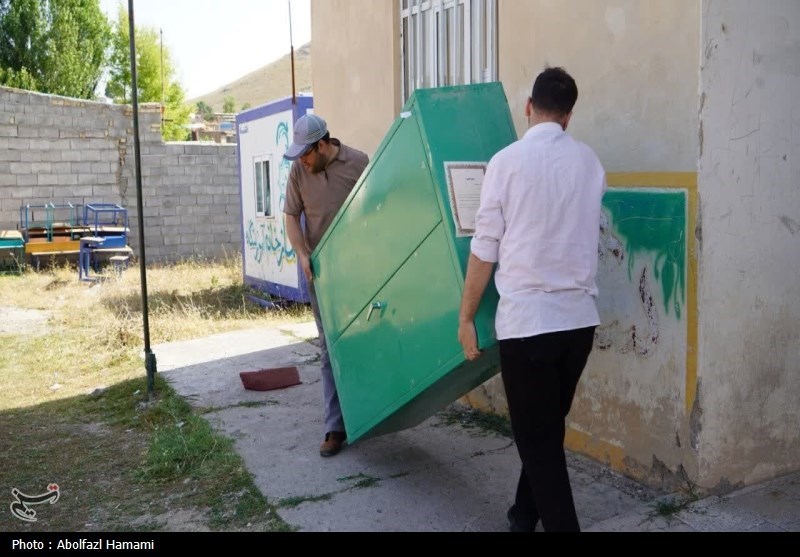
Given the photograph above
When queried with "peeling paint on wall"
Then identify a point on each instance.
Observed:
(643, 240)
(653, 224)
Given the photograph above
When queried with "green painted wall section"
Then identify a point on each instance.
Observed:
(653, 222)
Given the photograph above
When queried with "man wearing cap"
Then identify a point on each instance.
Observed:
(322, 176)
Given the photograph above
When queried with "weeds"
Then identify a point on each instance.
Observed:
(475, 419)
(123, 462)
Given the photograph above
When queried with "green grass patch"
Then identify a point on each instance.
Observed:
(74, 408)
(476, 420)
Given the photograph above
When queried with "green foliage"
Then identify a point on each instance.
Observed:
(54, 46)
(155, 76)
(245, 106)
(228, 105)
(21, 79)
(205, 111)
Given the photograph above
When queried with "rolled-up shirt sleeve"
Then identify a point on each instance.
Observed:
(489, 222)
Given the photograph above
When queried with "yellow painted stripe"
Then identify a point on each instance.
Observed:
(688, 181)
(602, 451)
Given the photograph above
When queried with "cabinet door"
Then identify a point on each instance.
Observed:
(393, 208)
(406, 334)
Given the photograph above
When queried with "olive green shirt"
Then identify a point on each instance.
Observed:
(321, 195)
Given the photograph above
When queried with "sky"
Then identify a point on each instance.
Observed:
(214, 42)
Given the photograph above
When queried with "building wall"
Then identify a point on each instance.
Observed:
(60, 150)
(357, 68)
(692, 107)
(636, 65)
(636, 68)
(749, 281)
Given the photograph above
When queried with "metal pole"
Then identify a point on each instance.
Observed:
(149, 357)
(161, 31)
(291, 44)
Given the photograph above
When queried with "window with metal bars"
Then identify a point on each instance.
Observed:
(447, 42)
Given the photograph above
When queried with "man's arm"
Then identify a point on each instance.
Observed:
(479, 273)
(295, 232)
(484, 250)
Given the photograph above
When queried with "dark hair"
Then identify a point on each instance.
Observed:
(554, 92)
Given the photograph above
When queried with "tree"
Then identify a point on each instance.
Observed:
(53, 46)
(204, 110)
(155, 80)
(228, 105)
(245, 106)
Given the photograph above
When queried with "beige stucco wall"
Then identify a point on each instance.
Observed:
(662, 84)
(749, 274)
(355, 68)
(636, 65)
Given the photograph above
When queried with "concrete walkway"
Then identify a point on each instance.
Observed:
(434, 477)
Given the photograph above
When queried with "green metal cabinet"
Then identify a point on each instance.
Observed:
(389, 272)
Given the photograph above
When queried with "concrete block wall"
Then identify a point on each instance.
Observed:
(61, 150)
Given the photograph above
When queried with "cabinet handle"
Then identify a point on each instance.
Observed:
(373, 307)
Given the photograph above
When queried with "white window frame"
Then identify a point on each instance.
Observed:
(423, 26)
(264, 162)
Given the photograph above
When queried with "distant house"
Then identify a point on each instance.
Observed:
(219, 128)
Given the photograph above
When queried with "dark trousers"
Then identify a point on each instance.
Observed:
(540, 374)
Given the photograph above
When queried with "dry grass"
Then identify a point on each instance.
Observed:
(94, 335)
(122, 462)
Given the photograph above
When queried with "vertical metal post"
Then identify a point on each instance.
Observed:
(163, 108)
(291, 51)
(150, 358)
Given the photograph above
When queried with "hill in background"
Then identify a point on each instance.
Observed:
(273, 81)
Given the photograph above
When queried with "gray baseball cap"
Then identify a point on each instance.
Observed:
(307, 130)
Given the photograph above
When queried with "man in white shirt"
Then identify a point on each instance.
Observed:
(539, 221)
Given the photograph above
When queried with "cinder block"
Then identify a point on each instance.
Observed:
(7, 155)
(27, 180)
(20, 168)
(82, 190)
(19, 144)
(43, 120)
(25, 131)
(67, 179)
(70, 156)
(48, 179)
(21, 193)
(43, 144)
(8, 131)
(112, 155)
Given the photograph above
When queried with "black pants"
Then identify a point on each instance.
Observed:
(540, 374)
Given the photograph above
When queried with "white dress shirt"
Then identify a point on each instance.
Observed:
(539, 220)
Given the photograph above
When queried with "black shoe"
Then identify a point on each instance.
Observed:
(518, 523)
